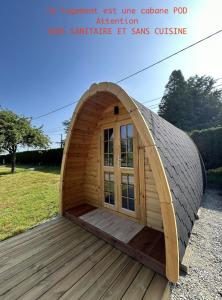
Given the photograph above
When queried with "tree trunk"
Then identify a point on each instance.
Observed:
(13, 162)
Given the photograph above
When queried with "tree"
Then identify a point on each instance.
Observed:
(173, 103)
(66, 125)
(17, 131)
(191, 104)
(206, 102)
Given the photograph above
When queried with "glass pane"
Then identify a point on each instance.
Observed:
(106, 176)
(130, 131)
(124, 178)
(106, 186)
(131, 179)
(131, 191)
(111, 177)
(123, 132)
(110, 133)
(106, 134)
(112, 201)
(106, 147)
(106, 159)
(111, 160)
(131, 204)
(111, 187)
(110, 146)
(123, 146)
(130, 145)
(106, 197)
(123, 160)
(130, 160)
(124, 190)
(124, 202)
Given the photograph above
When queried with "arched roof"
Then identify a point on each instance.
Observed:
(183, 168)
(176, 168)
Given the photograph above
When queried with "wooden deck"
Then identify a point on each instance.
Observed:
(60, 260)
(143, 243)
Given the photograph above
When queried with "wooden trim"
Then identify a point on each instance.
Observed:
(126, 170)
(167, 209)
(142, 190)
(111, 169)
(100, 173)
(185, 263)
(117, 166)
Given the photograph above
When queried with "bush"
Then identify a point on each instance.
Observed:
(214, 178)
(43, 157)
(209, 143)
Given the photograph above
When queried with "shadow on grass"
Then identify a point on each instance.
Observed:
(25, 168)
(49, 169)
(8, 172)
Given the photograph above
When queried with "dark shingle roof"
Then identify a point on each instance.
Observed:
(183, 169)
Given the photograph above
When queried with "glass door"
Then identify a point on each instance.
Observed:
(108, 168)
(119, 161)
(126, 169)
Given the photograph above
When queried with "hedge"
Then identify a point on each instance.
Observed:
(209, 143)
(43, 157)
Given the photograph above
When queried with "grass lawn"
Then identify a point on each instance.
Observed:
(27, 198)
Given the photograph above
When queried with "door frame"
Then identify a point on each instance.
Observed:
(117, 170)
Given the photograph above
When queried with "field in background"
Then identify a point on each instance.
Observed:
(27, 197)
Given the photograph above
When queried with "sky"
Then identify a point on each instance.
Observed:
(41, 72)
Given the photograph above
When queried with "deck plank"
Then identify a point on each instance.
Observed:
(65, 283)
(23, 254)
(52, 232)
(66, 243)
(123, 281)
(33, 265)
(139, 285)
(73, 264)
(156, 289)
(60, 279)
(96, 290)
(63, 262)
(30, 234)
(86, 281)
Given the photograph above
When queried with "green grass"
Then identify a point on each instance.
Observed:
(214, 178)
(27, 197)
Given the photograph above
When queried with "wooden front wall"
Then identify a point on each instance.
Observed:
(82, 170)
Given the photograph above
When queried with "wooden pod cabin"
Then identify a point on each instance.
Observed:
(131, 178)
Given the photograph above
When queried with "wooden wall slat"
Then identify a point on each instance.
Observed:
(154, 216)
